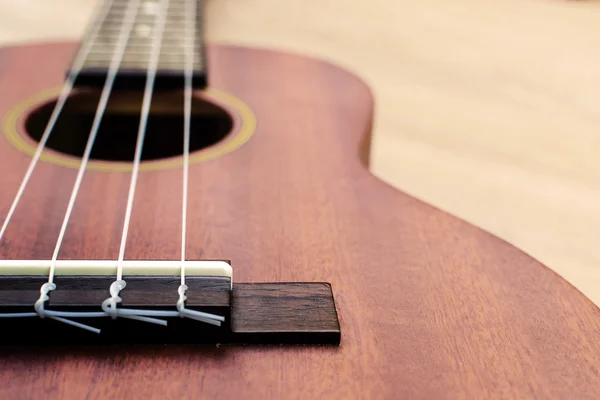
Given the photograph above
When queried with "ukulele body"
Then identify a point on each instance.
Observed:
(429, 306)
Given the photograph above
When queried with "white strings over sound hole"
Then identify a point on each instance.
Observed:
(117, 134)
(118, 115)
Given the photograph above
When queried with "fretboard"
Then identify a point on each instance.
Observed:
(178, 43)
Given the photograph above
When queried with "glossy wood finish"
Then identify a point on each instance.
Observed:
(430, 307)
(283, 313)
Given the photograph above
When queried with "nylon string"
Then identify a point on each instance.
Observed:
(66, 90)
(109, 306)
(100, 14)
(141, 135)
(123, 39)
(187, 117)
(124, 34)
(190, 34)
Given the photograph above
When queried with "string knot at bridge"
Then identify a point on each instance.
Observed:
(208, 318)
(109, 306)
(182, 298)
(59, 315)
(39, 304)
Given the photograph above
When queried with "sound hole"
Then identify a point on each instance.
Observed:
(117, 135)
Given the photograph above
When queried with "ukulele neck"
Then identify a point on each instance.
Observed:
(128, 37)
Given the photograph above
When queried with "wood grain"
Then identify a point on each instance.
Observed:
(284, 313)
(429, 306)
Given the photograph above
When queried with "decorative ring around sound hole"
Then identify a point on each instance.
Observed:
(243, 127)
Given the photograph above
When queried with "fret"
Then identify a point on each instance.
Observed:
(130, 67)
(172, 56)
(143, 56)
(181, 4)
(119, 11)
(173, 60)
(142, 60)
(139, 40)
(169, 49)
(112, 34)
(114, 26)
(117, 19)
(113, 31)
(177, 5)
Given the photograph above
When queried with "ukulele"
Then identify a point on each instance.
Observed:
(177, 213)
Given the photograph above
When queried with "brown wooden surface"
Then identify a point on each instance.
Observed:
(287, 312)
(430, 307)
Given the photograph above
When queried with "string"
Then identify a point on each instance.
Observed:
(122, 41)
(187, 111)
(99, 15)
(190, 28)
(110, 305)
(187, 117)
(124, 33)
(110, 308)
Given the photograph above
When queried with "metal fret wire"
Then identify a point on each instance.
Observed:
(99, 14)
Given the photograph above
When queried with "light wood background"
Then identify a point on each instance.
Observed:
(489, 110)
